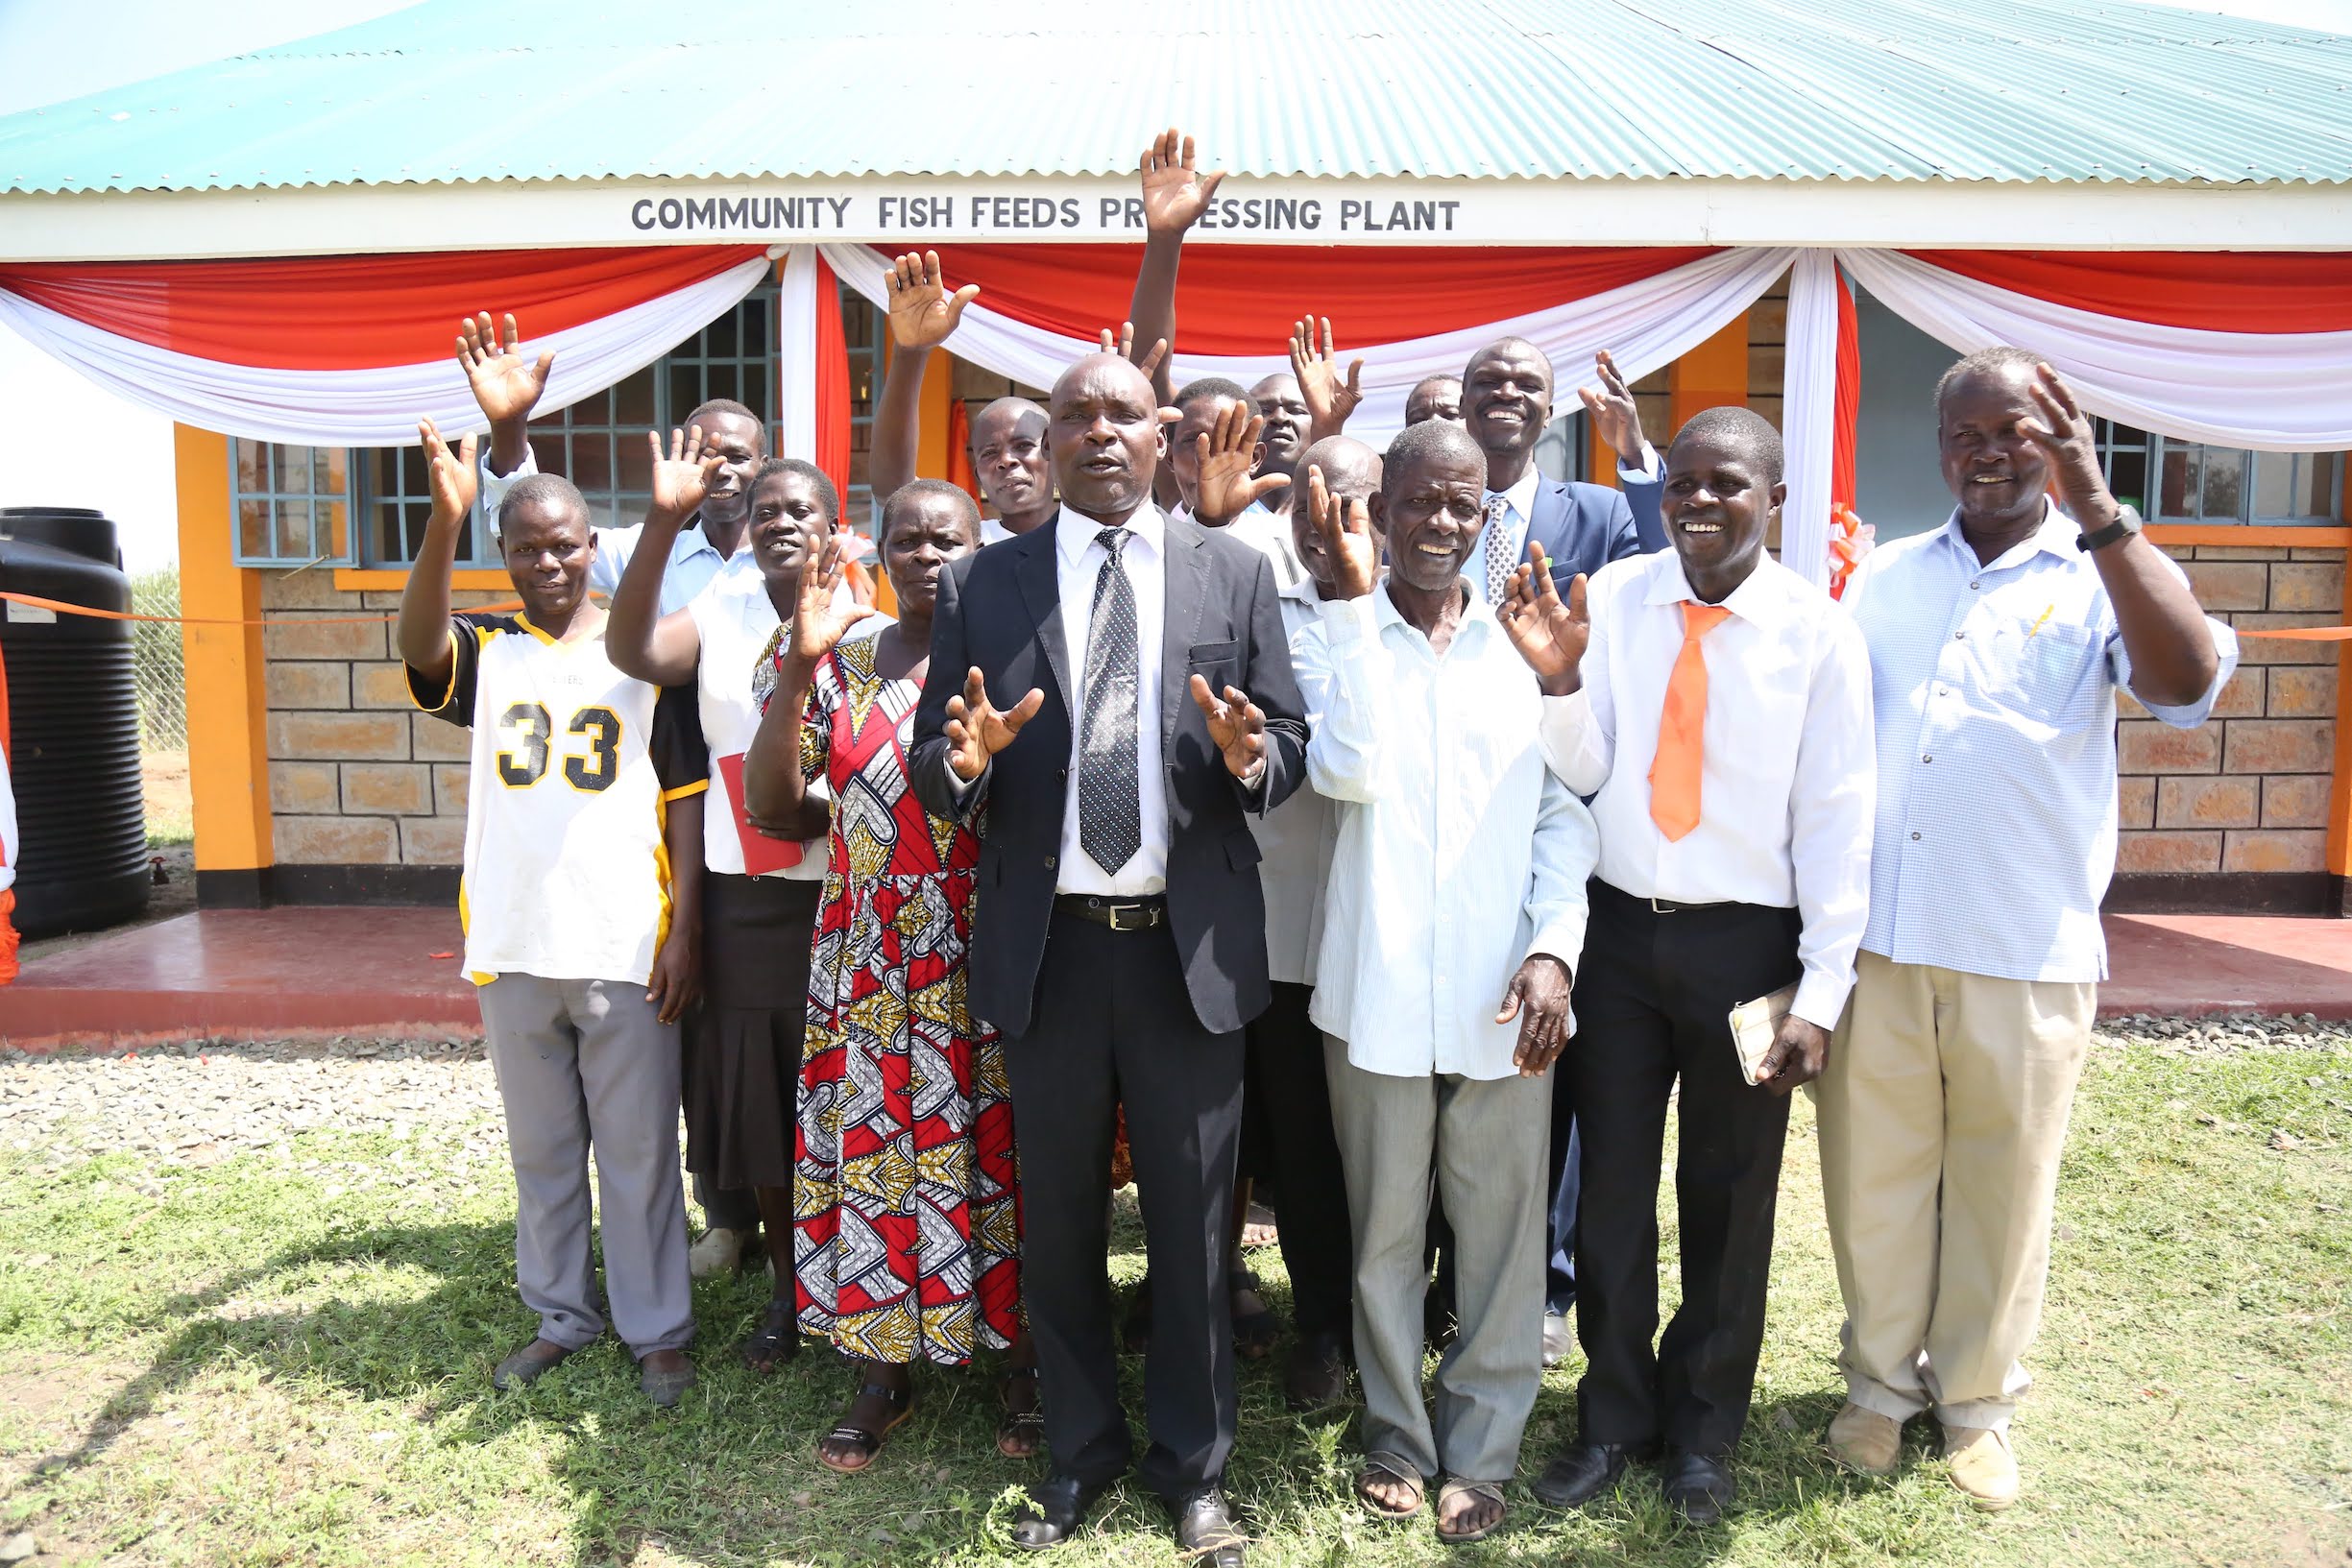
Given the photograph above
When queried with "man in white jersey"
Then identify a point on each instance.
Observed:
(567, 899)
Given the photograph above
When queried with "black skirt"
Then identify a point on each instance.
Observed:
(741, 1060)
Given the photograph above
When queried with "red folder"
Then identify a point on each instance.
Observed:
(760, 854)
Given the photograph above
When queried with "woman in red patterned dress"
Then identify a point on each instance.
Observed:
(908, 1231)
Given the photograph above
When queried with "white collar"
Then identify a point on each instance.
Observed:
(1765, 599)
(1384, 613)
(2054, 537)
(1073, 531)
(1522, 495)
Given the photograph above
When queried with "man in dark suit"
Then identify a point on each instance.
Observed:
(1506, 403)
(1119, 942)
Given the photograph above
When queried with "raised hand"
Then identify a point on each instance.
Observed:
(1124, 346)
(1798, 1053)
(976, 729)
(1347, 528)
(1615, 417)
(1329, 400)
(1550, 635)
(1228, 454)
(1237, 727)
(1173, 194)
(1537, 997)
(2066, 438)
(505, 384)
(824, 615)
(451, 475)
(923, 314)
(682, 478)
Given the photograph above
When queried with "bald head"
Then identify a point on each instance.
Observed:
(1102, 435)
(1351, 468)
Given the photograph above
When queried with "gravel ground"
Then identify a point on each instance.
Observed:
(194, 1103)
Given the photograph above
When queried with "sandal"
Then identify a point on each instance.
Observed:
(1491, 1490)
(777, 1339)
(859, 1440)
(1259, 1226)
(1379, 1467)
(1256, 1330)
(1022, 1433)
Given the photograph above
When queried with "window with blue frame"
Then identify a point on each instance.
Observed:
(301, 506)
(2183, 481)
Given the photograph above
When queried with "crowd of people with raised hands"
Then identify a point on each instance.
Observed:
(1404, 831)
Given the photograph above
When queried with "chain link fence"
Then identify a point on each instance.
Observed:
(160, 675)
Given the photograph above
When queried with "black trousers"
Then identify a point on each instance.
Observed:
(1653, 996)
(1290, 1093)
(1114, 1024)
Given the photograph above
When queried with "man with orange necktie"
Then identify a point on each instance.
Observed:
(1716, 707)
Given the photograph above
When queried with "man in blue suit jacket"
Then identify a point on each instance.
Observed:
(1506, 403)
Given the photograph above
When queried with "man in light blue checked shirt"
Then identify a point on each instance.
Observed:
(1997, 643)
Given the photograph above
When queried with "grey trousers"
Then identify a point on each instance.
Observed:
(583, 1065)
(1488, 1142)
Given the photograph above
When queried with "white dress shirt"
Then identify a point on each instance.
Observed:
(694, 561)
(992, 531)
(1078, 560)
(1460, 854)
(1520, 498)
(1785, 779)
(737, 669)
(1295, 840)
(1994, 688)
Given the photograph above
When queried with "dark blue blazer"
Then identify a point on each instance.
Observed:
(1584, 527)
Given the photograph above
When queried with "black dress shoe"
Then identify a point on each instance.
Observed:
(1585, 1471)
(1697, 1487)
(1053, 1511)
(1206, 1529)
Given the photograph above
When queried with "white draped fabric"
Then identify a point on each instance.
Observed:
(1808, 414)
(1644, 325)
(378, 406)
(2280, 392)
(796, 354)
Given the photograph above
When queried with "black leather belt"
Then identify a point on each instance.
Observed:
(1135, 914)
(1660, 907)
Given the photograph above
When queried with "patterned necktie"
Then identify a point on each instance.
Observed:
(1674, 773)
(1109, 796)
(1500, 556)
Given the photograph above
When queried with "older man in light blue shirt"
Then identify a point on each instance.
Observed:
(1996, 645)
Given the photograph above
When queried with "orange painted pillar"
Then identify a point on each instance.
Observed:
(229, 770)
(1713, 374)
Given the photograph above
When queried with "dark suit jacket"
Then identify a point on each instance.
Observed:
(1584, 527)
(999, 612)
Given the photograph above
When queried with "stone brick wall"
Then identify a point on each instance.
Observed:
(2247, 792)
(358, 776)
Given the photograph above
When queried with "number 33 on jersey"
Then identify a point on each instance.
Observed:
(572, 765)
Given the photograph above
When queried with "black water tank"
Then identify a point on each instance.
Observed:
(73, 724)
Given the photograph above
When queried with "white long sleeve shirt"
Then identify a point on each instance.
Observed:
(1460, 854)
(1787, 773)
(1993, 691)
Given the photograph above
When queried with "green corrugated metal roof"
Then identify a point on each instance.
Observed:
(1848, 89)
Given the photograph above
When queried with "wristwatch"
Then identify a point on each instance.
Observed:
(2125, 524)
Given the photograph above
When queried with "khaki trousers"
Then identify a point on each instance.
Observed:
(1942, 1115)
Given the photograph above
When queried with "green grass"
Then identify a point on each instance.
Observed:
(283, 1359)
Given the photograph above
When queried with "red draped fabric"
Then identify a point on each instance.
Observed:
(357, 312)
(1849, 408)
(1240, 298)
(2214, 291)
(833, 415)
